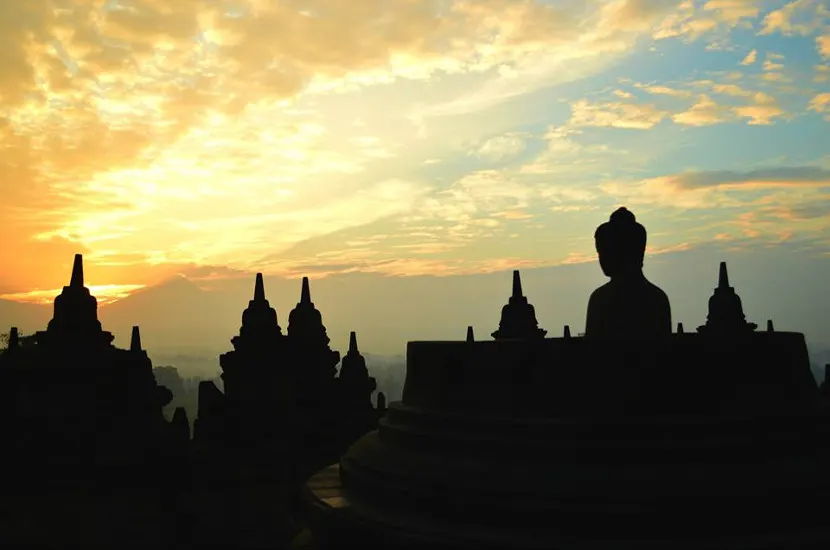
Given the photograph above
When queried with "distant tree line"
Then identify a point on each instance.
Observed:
(25, 341)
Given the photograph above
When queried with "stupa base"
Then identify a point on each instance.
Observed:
(340, 522)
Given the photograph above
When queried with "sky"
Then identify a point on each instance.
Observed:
(401, 138)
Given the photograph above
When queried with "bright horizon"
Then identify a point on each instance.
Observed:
(404, 138)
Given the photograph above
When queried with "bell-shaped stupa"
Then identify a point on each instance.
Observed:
(518, 317)
(75, 318)
(726, 313)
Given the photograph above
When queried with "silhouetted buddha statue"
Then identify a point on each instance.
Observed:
(628, 306)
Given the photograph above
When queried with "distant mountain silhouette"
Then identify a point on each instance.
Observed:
(173, 314)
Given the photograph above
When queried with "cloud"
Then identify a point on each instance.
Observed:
(772, 66)
(760, 114)
(733, 10)
(690, 22)
(501, 148)
(540, 45)
(729, 89)
(821, 104)
(823, 45)
(800, 17)
(704, 112)
(764, 177)
(664, 90)
(104, 294)
(615, 115)
(750, 58)
(724, 189)
(762, 110)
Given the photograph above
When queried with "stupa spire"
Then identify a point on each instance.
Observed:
(353, 372)
(259, 288)
(305, 295)
(77, 279)
(470, 335)
(75, 318)
(305, 324)
(353, 343)
(135, 340)
(723, 276)
(259, 320)
(517, 284)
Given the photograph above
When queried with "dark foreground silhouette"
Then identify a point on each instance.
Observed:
(95, 463)
(629, 437)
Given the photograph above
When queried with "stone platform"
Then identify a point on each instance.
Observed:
(759, 490)
(695, 443)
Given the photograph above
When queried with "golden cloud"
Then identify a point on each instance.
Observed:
(703, 113)
(615, 115)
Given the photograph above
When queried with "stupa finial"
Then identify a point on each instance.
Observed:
(259, 288)
(305, 296)
(135, 340)
(77, 280)
(470, 335)
(353, 343)
(723, 276)
(517, 284)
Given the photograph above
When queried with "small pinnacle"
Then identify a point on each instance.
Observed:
(567, 332)
(517, 284)
(470, 336)
(770, 327)
(381, 401)
(353, 343)
(723, 276)
(305, 296)
(135, 340)
(77, 280)
(14, 338)
(259, 289)
(679, 328)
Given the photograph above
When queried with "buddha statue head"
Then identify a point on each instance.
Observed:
(621, 244)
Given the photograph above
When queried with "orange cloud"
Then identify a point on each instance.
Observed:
(820, 103)
(103, 293)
